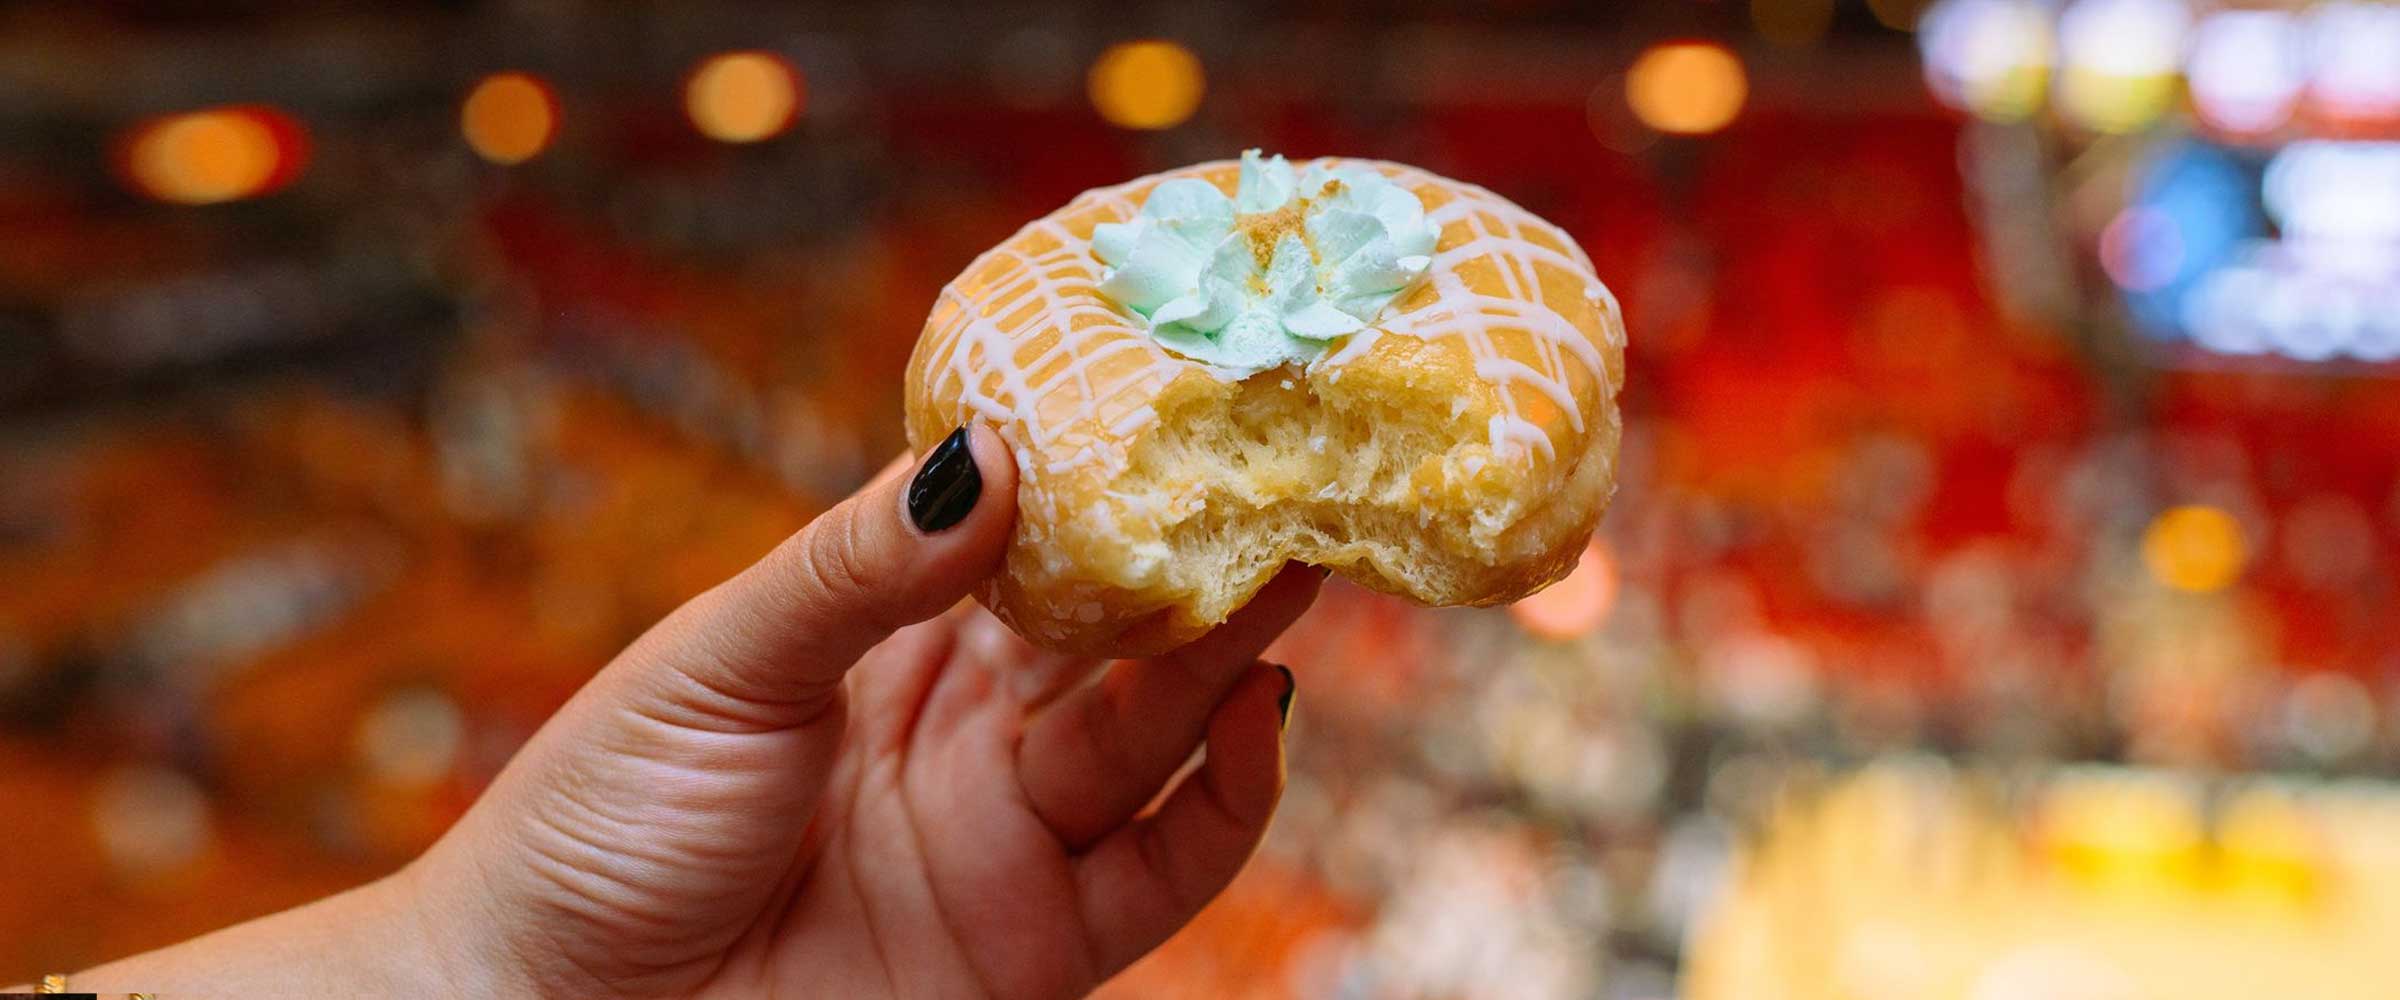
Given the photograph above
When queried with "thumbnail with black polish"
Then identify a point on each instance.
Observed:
(946, 488)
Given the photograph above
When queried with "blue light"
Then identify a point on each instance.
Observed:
(2198, 207)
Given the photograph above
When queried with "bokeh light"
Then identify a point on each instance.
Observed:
(2338, 203)
(2121, 61)
(2354, 49)
(1148, 84)
(2244, 69)
(1688, 88)
(214, 155)
(1989, 57)
(2195, 548)
(1576, 606)
(743, 96)
(509, 118)
(2142, 249)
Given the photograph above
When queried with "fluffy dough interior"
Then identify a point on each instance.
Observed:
(1276, 469)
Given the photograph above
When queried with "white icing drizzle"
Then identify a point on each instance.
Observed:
(1458, 311)
(975, 348)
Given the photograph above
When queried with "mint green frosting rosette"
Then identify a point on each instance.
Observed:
(1190, 265)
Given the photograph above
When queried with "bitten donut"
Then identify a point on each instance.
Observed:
(1213, 371)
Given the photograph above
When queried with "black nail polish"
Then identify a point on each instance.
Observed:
(946, 487)
(1283, 704)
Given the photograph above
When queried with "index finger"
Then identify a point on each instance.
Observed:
(1093, 758)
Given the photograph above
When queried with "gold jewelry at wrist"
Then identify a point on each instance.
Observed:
(55, 982)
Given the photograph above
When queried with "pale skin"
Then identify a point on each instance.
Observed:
(823, 777)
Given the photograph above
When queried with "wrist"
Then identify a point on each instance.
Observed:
(441, 916)
(369, 941)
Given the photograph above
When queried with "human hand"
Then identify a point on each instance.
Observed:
(824, 778)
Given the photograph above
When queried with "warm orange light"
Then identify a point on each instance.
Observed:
(2195, 548)
(509, 118)
(743, 96)
(1147, 84)
(1576, 606)
(214, 155)
(1689, 88)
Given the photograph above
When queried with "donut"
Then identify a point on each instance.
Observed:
(1214, 371)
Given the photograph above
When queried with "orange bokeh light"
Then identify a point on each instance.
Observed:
(509, 118)
(213, 155)
(743, 96)
(1147, 84)
(1688, 88)
(2195, 548)
(1576, 606)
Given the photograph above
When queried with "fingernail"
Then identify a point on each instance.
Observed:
(946, 488)
(1283, 704)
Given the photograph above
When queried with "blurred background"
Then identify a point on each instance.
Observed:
(1999, 601)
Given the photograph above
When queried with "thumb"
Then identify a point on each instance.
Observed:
(652, 817)
(781, 634)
